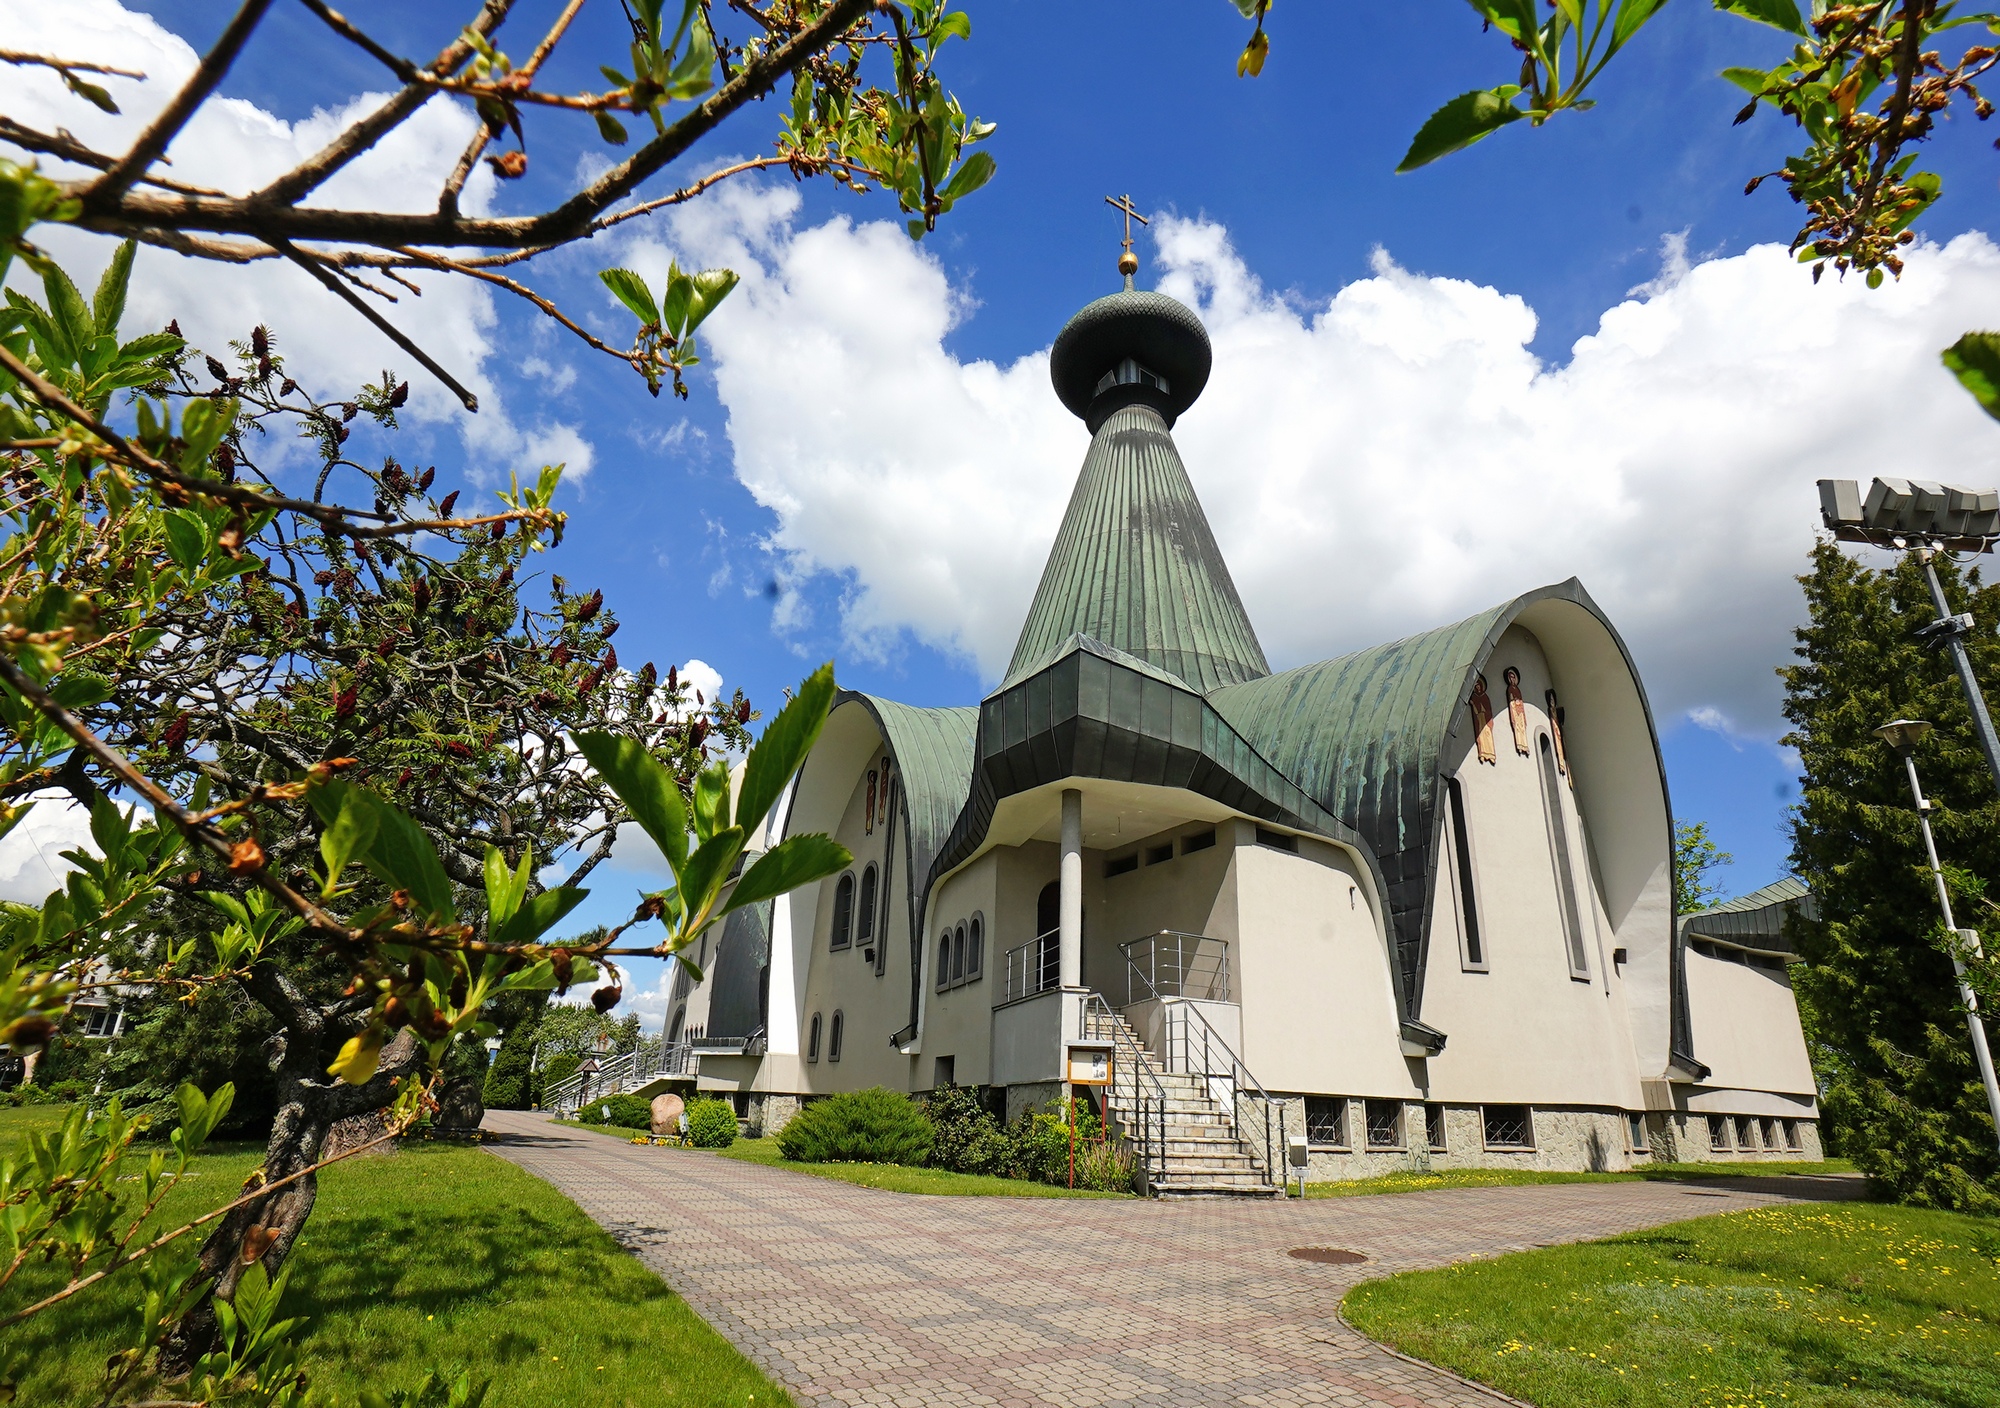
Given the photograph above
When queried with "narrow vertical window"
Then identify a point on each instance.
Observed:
(944, 961)
(843, 912)
(958, 954)
(833, 1037)
(975, 943)
(867, 934)
(1468, 898)
(812, 1039)
(1579, 961)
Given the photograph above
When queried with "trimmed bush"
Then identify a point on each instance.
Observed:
(711, 1124)
(875, 1126)
(624, 1111)
(965, 1138)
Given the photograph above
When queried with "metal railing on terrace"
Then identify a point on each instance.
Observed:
(1032, 967)
(1173, 964)
(650, 1060)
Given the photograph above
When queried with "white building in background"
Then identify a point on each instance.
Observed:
(1415, 903)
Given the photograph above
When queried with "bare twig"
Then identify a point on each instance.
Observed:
(68, 148)
(159, 135)
(12, 56)
(314, 266)
(347, 30)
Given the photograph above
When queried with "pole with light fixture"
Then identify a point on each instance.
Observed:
(1903, 735)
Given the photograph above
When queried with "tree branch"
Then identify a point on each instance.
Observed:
(312, 265)
(109, 188)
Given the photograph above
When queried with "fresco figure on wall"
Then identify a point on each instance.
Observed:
(1517, 711)
(1556, 732)
(1482, 720)
(868, 819)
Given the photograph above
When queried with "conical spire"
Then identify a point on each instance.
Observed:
(1135, 565)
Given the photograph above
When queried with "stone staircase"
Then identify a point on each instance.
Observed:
(1202, 1155)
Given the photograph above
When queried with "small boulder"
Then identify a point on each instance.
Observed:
(667, 1110)
(459, 1108)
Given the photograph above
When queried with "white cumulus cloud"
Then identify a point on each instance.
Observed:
(235, 146)
(1386, 461)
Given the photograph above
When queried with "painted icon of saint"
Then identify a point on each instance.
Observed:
(868, 819)
(1482, 720)
(1517, 711)
(1556, 732)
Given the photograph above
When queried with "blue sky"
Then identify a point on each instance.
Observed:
(1280, 203)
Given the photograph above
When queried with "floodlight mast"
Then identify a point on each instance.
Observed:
(1918, 516)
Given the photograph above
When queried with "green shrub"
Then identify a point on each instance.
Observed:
(964, 1137)
(1039, 1150)
(557, 1069)
(711, 1124)
(624, 1111)
(1103, 1164)
(875, 1126)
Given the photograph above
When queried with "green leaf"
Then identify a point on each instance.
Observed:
(1779, 14)
(709, 866)
(647, 790)
(149, 347)
(110, 827)
(1461, 122)
(66, 309)
(80, 689)
(631, 291)
(107, 307)
(1517, 20)
(611, 129)
(1750, 80)
(974, 172)
(505, 887)
(351, 834)
(711, 800)
(187, 540)
(1975, 360)
(782, 750)
(708, 288)
(540, 914)
(794, 861)
(1632, 14)
(957, 23)
(674, 307)
(401, 854)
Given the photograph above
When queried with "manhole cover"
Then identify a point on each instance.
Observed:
(1331, 1256)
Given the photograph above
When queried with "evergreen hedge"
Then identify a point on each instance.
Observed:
(711, 1124)
(874, 1126)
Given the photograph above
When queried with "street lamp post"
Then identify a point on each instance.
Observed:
(1903, 735)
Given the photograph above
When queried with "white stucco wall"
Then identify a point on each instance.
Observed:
(1746, 1027)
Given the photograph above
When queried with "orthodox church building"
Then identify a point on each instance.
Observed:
(1414, 904)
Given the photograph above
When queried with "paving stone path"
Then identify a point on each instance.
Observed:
(853, 1296)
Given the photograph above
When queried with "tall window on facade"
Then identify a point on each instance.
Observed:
(674, 1028)
(958, 953)
(1468, 898)
(843, 912)
(812, 1039)
(1572, 922)
(975, 944)
(867, 934)
(944, 961)
(834, 1035)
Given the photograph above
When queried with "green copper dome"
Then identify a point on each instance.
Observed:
(1130, 348)
(1136, 567)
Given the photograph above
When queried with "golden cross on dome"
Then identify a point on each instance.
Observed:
(1128, 262)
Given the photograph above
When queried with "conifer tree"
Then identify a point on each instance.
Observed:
(1883, 1015)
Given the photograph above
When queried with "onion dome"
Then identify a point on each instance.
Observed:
(1130, 348)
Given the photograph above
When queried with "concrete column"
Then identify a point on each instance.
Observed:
(1070, 942)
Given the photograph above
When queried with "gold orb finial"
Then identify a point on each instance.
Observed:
(1128, 263)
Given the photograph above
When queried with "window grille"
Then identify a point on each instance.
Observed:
(1579, 961)
(1792, 1140)
(1718, 1133)
(843, 912)
(1746, 1132)
(867, 934)
(812, 1039)
(1508, 1127)
(1385, 1124)
(1770, 1133)
(1468, 898)
(1434, 1128)
(833, 1036)
(1326, 1121)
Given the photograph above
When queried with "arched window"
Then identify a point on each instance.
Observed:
(944, 961)
(958, 953)
(1048, 909)
(674, 1030)
(1579, 960)
(1474, 953)
(843, 911)
(974, 944)
(833, 1037)
(812, 1039)
(866, 934)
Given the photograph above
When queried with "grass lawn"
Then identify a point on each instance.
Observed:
(1416, 1181)
(438, 1256)
(1852, 1305)
(898, 1179)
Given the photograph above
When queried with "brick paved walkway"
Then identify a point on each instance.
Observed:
(852, 1296)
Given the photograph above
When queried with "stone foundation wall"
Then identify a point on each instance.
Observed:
(1033, 1098)
(1565, 1141)
(769, 1112)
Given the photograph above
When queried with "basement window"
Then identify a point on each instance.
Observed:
(1385, 1123)
(1746, 1133)
(1635, 1133)
(1508, 1126)
(1326, 1121)
(1792, 1140)
(1434, 1128)
(1123, 865)
(1197, 841)
(1277, 840)
(1718, 1133)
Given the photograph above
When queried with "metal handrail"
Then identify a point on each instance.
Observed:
(648, 1061)
(1031, 968)
(1149, 1107)
(1173, 964)
(1213, 1051)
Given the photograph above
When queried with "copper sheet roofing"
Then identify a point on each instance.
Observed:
(932, 749)
(1136, 567)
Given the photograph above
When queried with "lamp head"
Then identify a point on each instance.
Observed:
(1903, 735)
